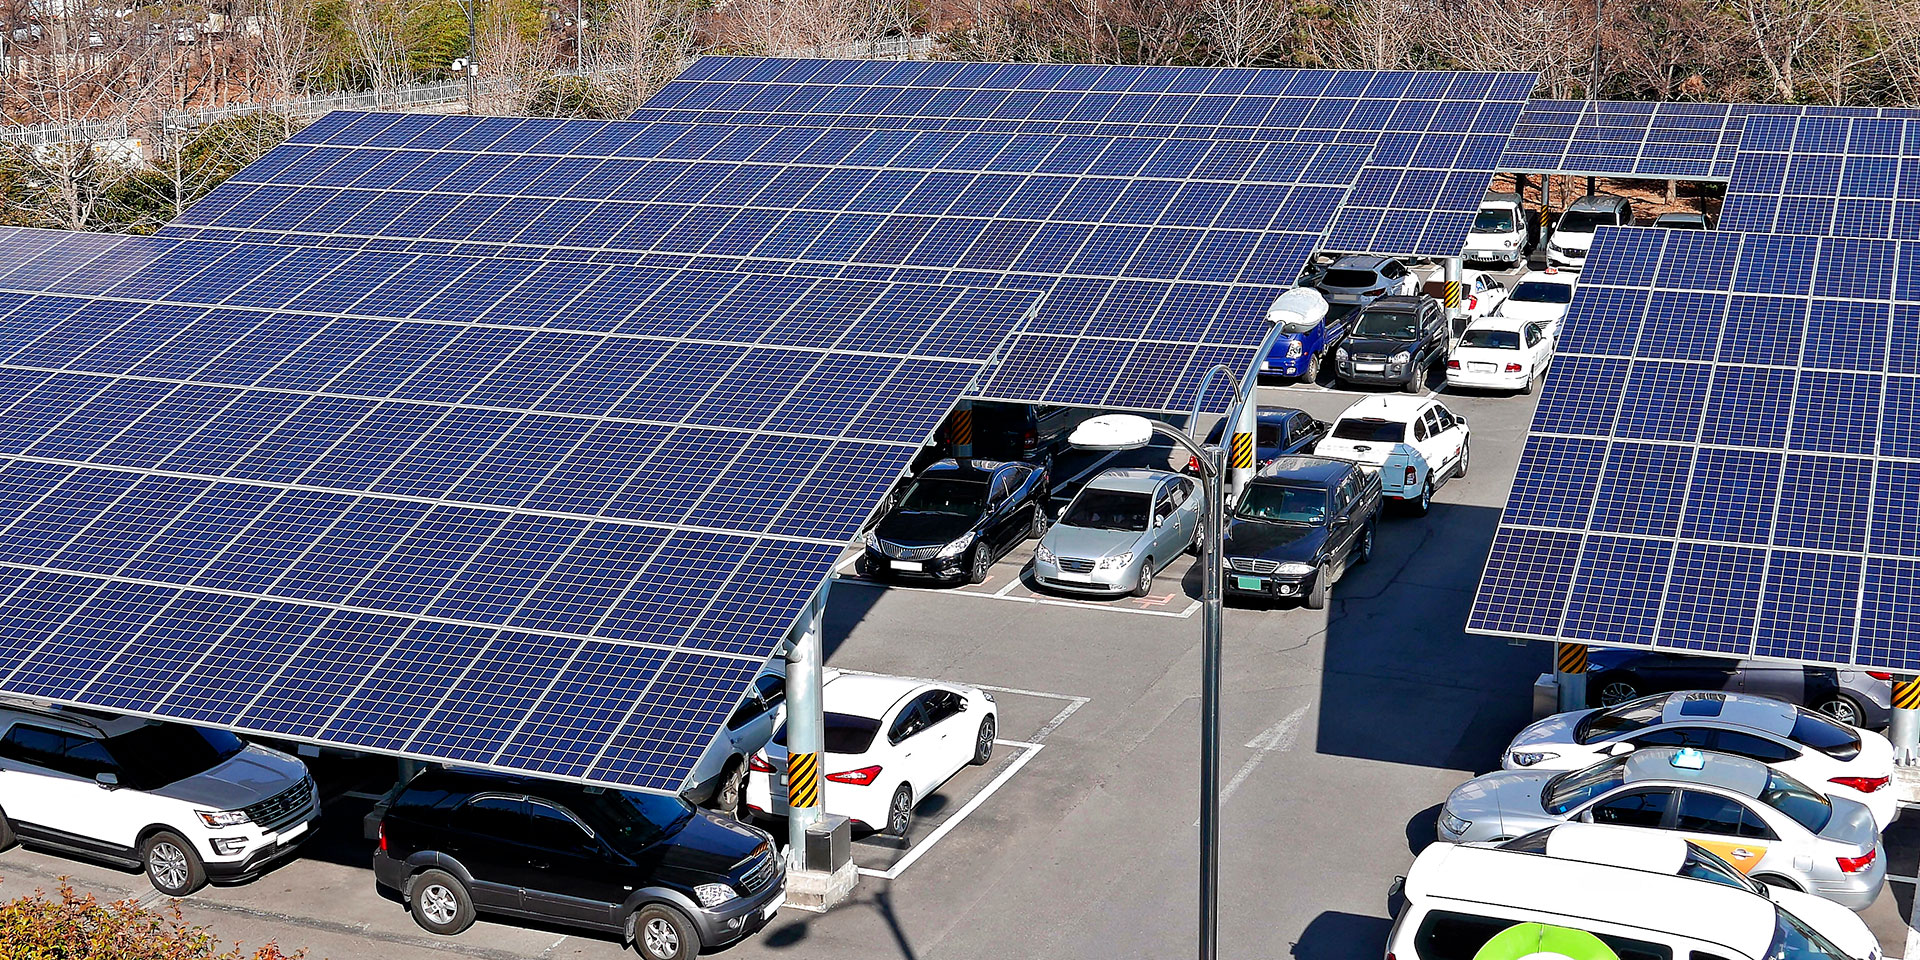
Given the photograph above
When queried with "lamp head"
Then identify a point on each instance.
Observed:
(1114, 431)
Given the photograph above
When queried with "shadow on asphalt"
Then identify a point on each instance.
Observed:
(1342, 936)
(1421, 829)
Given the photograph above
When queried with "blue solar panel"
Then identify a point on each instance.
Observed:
(1723, 457)
(1826, 175)
(551, 523)
(1682, 141)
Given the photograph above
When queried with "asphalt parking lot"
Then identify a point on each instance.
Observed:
(1344, 730)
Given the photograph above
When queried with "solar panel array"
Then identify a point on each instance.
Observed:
(1434, 137)
(1726, 459)
(536, 516)
(1827, 176)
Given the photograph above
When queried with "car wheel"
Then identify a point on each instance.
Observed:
(1466, 456)
(1614, 691)
(1778, 883)
(983, 741)
(7, 839)
(733, 784)
(659, 932)
(440, 903)
(1425, 503)
(1363, 551)
(172, 866)
(1199, 545)
(900, 812)
(865, 569)
(1840, 708)
(1416, 381)
(1144, 585)
(981, 561)
(1313, 370)
(1316, 598)
(1526, 390)
(1040, 521)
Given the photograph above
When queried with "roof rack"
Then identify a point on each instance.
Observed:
(51, 710)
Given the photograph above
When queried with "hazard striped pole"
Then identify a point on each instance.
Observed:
(806, 726)
(1454, 314)
(1570, 675)
(1240, 453)
(1906, 719)
(962, 424)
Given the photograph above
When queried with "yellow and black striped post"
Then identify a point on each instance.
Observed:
(963, 429)
(1453, 294)
(1571, 658)
(1242, 452)
(1570, 675)
(1906, 718)
(1906, 693)
(803, 780)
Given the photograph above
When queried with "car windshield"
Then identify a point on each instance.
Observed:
(1824, 734)
(157, 754)
(1493, 221)
(1625, 718)
(846, 733)
(1097, 509)
(1789, 796)
(1349, 278)
(1540, 291)
(1387, 324)
(1681, 223)
(959, 498)
(1576, 787)
(631, 821)
(1370, 430)
(1794, 940)
(1284, 504)
(1584, 221)
(1491, 339)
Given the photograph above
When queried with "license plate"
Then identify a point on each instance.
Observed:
(294, 831)
(774, 907)
(1249, 583)
(904, 565)
(1480, 367)
(1370, 367)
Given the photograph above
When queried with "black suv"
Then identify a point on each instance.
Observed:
(1395, 342)
(1299, 527)
(672, 879)
(955, 519)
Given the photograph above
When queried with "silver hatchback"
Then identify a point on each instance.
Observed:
(1121, 529)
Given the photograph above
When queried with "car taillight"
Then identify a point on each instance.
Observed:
(1859, 863)
(1413, 476)
(859, 778)
(383, 836)
(1031, 441)
(1880, 676)
(1513, 368)
(1453, 364)
(1376, 291)
(1862, 784)
(1193, 463)
(759, 764)
(1473, 303)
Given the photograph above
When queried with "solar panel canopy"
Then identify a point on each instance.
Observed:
(1827, 176)
(546, 517)
(1726, 457)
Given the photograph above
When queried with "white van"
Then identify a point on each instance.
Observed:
(1465, 903)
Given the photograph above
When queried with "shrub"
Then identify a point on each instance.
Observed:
(79, 927)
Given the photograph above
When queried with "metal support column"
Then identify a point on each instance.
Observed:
(1906, 719)
(1455, 316)
(806, 725)
(1570, 675)
(962, 429)
(1211, 590)
(1239, 456)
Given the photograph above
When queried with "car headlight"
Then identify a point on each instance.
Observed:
(1402, 357)
(223, 818)
(1509, 243)
(1529, 758)
(1341, 354)
(1294, 569)
(1042, 554)
(959, 546)
(1115, 562)
(1294, 348)
(714, 894)
(1454, 825)
(870, 539)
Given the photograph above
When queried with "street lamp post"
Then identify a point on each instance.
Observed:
(1129, 432)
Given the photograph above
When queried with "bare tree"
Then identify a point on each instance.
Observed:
(287, 48)
(1786, 34)
(1374, 34)
(379, 29)
(651, 41)
(1553, 38)
(1241, 33)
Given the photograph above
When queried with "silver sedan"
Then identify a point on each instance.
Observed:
(1120, 530)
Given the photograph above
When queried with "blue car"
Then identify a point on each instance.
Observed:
(1300, 347)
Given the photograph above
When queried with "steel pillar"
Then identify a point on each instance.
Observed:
(1455, 316)
(961, 426)
(1906, 719)
(1240, 455)
(1570, 675)
(806, 725)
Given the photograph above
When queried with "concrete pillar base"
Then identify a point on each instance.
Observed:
(816, 891)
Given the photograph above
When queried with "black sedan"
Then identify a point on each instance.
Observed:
(1277, 432)
(1299, 527)
(955, 519)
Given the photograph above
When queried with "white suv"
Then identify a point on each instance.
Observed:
(185, 804)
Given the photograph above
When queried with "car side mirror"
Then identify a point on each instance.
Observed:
(1619, 748)
(1341, 521)
(107, 781)
(1157, 521)
(1459, 419)
(963, 706)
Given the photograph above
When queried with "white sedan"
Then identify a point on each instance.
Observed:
(1501, 353)
(1416, 443)
(1541, 295)
(1834, 758)
(890, 742)
(1481, 293)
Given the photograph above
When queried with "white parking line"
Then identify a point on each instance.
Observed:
(1192, 608)
(1278, 738)
(1082, 475)
(1028, 752)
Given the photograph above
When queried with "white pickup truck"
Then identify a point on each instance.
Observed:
(1416, 442)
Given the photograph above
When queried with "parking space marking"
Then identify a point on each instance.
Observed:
(1028, 752)
(1278, 738)
(1005, 594)
(1082, 475)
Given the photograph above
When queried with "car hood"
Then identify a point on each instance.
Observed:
(709, 844)
(1576, 241)
(246, 778)
(1381, 345)
(1282, 542)
(913, 529)
(1532, 309)
(1375, 452)
(1555, 729)
(1088, 542)
(1509, 799)
(1829, 919)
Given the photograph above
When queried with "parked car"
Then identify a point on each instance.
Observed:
(1683, 221)
(1300, 525)
(1501, 230)
(1761, 820)
(1309, 329)
(1464, 903)
(185, 804)
(1277, 432)
(1659, 852)
(1541, 295)
(1813, 748)
(891, 742)
(1362, 279)
(1481, 293)
(719, 777)
(1395, 343)
(1416, 443)
(1857, 697)
(1573, 234)
(955, 519)
(1123, 527)
(1501, 353)
(672, 879)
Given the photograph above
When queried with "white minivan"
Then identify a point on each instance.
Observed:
(1465, 903)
